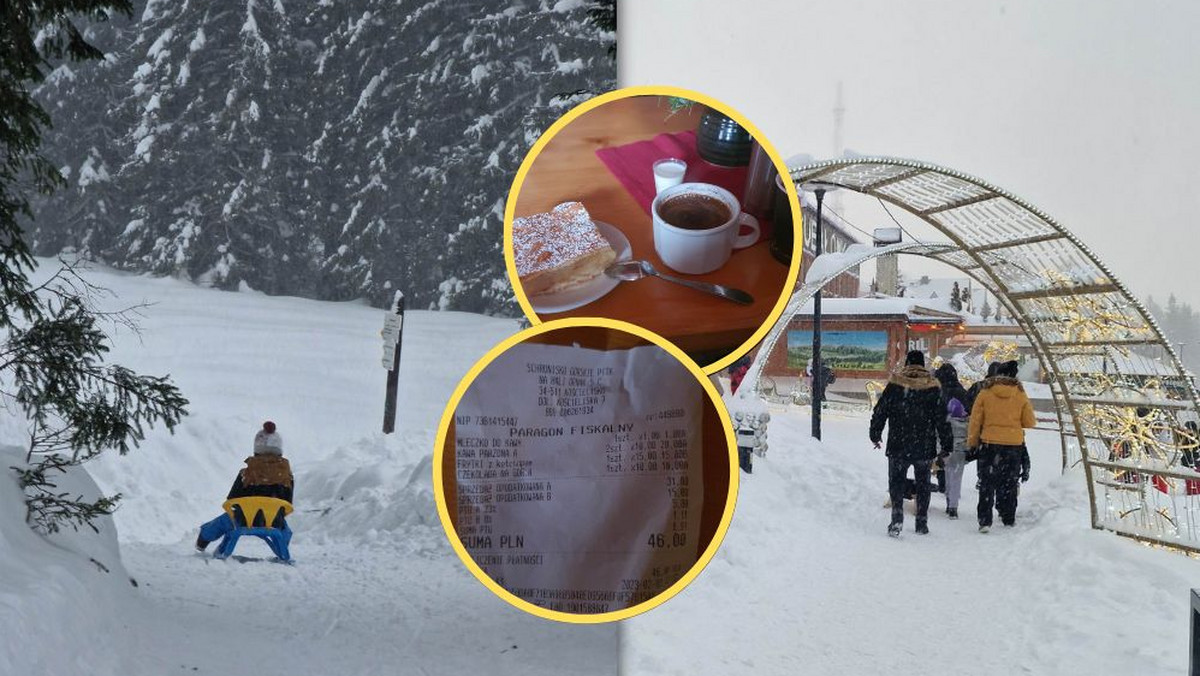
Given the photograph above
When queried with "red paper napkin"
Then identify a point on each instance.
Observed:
(632, 165)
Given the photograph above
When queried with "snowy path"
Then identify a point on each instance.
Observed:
(808, 582)
(342, 610)
(376, 588)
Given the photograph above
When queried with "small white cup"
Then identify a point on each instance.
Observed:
(668, 172)
(696, 252)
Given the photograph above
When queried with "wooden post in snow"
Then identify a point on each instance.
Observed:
(393, 325)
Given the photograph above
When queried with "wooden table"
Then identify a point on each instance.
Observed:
(706, 327)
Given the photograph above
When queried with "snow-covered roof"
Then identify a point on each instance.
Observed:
(971, 339)
(1116, 363)
(830, 263)
(808, 201)
(935, 293)
(885, 306)
(933, 287)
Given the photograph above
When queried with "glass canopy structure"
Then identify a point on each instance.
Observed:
(1126, 407)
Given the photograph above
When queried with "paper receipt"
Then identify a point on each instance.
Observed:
(579, 474)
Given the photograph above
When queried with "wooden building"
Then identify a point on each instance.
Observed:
(863, 338)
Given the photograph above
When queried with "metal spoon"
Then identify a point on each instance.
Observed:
(628, 271)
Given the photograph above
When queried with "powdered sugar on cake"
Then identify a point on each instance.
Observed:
(552, 240)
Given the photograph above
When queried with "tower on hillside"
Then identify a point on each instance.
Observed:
(839, 143)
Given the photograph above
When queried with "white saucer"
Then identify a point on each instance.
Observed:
(587, 292)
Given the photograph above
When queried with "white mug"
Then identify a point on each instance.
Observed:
(696, 252)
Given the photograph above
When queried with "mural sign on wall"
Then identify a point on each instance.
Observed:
(849, 350)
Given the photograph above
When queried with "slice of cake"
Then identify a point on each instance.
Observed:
(559, 250)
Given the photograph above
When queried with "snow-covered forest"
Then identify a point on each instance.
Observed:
(1181, 326)
(329, 150)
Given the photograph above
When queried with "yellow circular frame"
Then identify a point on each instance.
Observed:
(662, 90)
(440, 493)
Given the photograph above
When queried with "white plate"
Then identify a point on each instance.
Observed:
(595, 289)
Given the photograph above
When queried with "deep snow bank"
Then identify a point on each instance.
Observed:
(62, 598)
(315, 369)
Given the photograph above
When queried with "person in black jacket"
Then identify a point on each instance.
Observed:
(1189, 441)
(952, 387)
(910, 406)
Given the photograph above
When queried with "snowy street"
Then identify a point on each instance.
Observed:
(341, 609)
(807, 580)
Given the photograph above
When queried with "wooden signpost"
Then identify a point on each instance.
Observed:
(393, 325)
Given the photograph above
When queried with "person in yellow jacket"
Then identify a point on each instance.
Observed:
(999, 418)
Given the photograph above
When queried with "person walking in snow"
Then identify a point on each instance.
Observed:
(267, 473)
(955, 458)
(1134, 439)
(1001, 415)
(737, 371)
(952, 388)
(911, 410)
(1189, 440)
(827, 378)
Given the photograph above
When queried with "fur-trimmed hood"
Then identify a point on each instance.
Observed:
(1007, 381)
(914, 377)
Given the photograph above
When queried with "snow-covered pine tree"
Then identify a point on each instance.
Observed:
(956, 298)
(52, 346)
(1180, 325)
(1154, 308)
(336, 150)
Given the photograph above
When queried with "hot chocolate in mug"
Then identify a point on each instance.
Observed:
(696, 227)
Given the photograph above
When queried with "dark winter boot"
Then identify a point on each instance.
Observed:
(201, 544)
(952, 512)
(922, 528)
(895, 528)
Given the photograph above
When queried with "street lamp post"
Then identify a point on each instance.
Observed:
(818, 393)
(818, 376)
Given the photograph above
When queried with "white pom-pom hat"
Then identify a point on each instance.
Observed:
(267, 441)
